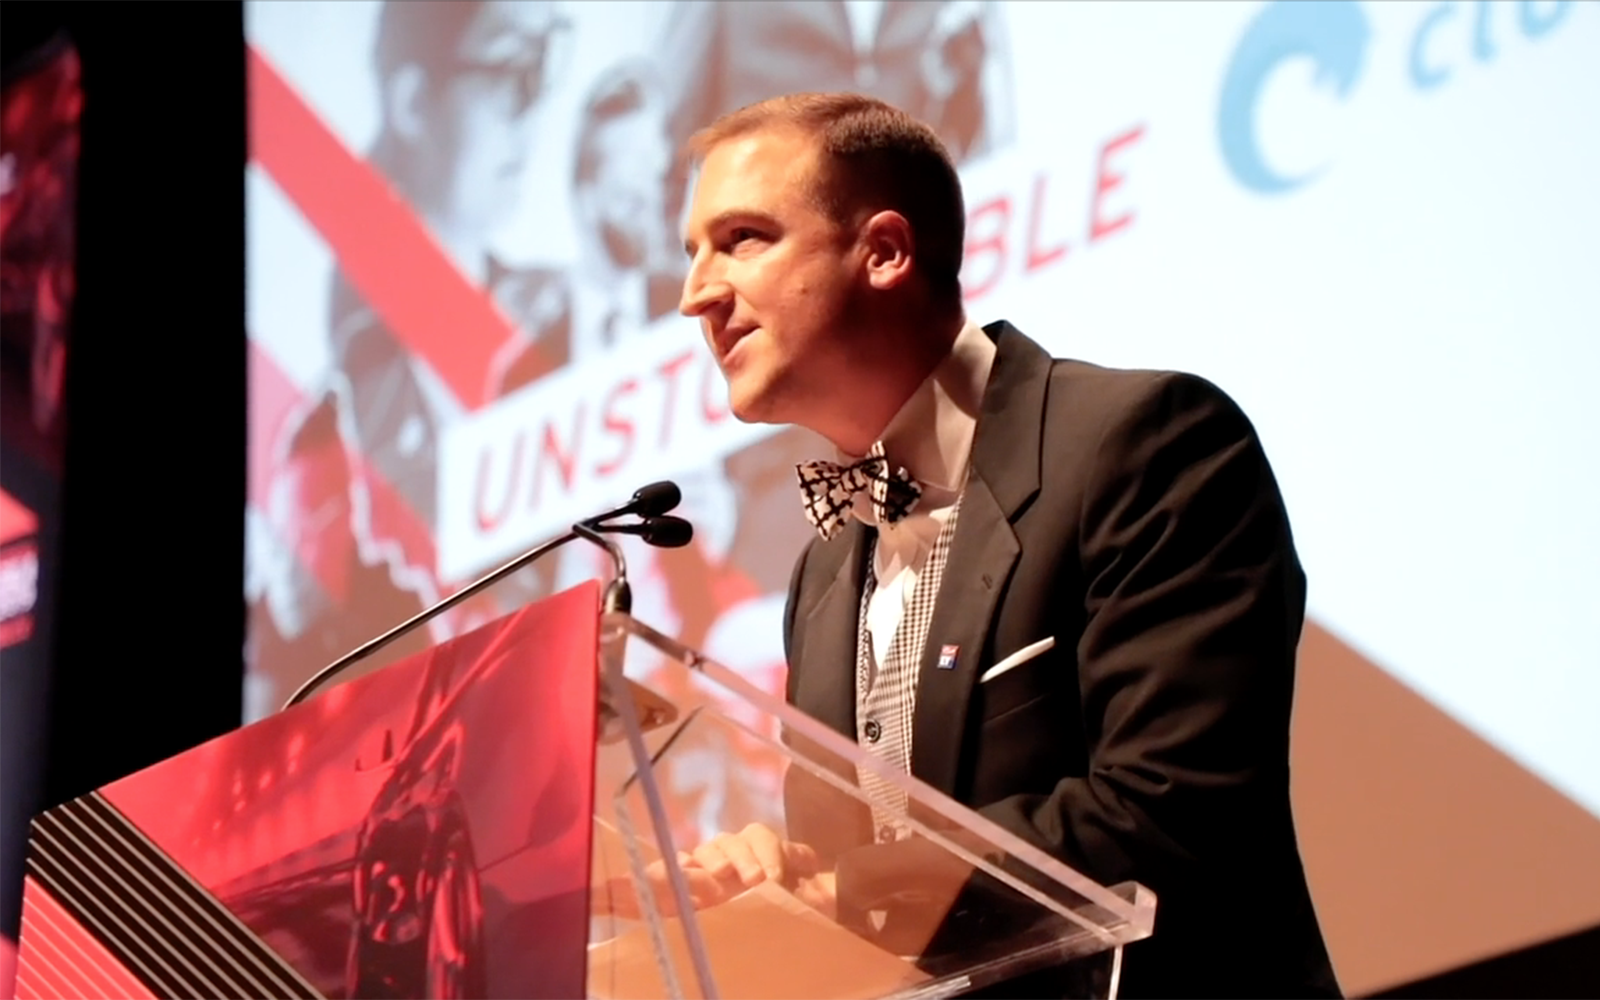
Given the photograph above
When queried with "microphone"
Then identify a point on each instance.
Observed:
(665, 532)
(650, 502)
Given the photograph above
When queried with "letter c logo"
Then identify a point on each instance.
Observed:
(1332, 33)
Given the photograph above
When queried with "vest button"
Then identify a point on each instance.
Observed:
(872, 730)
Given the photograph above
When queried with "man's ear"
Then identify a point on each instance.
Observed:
(890, 249)
(402, 102)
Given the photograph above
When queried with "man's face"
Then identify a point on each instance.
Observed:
(480, 119)
(628, 190)
(773, 279)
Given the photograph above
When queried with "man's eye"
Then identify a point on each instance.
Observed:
(739, 236)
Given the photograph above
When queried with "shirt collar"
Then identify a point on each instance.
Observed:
(931, 434)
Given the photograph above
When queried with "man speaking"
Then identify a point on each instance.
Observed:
(1115, 540)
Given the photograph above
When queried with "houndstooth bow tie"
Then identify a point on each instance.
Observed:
(829, 489)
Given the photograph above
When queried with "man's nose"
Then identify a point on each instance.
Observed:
(702, 292)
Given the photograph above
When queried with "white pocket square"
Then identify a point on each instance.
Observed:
(1018, 658)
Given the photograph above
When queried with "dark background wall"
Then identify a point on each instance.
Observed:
(148, 615)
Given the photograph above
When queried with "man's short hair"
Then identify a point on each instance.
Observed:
(874, 157)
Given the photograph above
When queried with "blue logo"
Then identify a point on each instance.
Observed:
(1332, 33)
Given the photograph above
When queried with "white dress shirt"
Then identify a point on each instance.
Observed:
(931, 437)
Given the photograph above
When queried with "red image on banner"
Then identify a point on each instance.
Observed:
(39, 141)
(17, 522)
(422, 831)
(19, 570)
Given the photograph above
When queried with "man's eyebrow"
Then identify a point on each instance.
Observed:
(726, 219)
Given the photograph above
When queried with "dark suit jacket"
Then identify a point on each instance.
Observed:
(1131, 515)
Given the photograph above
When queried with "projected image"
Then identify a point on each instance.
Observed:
(19, 570)
(1371, 224)
(468, 109)
(628, 272)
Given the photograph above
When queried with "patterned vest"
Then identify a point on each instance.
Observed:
(886, 697)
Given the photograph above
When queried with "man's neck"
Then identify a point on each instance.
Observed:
(911, 354)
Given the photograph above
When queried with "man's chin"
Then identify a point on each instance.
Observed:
(753, 409)
(747, 416)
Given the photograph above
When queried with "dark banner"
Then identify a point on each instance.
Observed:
(40, 107)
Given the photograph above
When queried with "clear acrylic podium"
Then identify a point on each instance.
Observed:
(432, 828)
(920, 896)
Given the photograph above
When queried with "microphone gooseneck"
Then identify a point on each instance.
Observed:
(422, 617)
(662, 531)
(619, 594)
(649, 503)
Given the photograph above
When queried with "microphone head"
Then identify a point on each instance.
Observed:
(667, 532)
(655, 499)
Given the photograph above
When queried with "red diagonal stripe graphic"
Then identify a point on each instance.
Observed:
(383, 249)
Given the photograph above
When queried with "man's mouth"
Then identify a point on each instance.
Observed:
(728, 338)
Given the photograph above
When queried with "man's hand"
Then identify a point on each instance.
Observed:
(727, 865)
(756, 854)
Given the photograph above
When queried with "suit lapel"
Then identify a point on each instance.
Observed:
(1004, 477)
(826, 668)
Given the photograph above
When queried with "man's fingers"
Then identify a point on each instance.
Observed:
(768, 850)
(704, 889)
(619, 897)
(720, 869)
(741, 855)
(728, 860)
(800, 861)
(737, 861)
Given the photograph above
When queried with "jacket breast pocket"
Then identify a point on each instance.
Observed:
(1024, 683)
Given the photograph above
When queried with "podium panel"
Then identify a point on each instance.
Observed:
(422, 831)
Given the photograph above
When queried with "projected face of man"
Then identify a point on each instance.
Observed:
(472, 116)
(626, 197)
(775, 282)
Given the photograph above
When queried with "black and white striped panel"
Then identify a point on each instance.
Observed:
(149, 912)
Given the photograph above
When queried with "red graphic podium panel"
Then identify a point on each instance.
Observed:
(423, 831)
